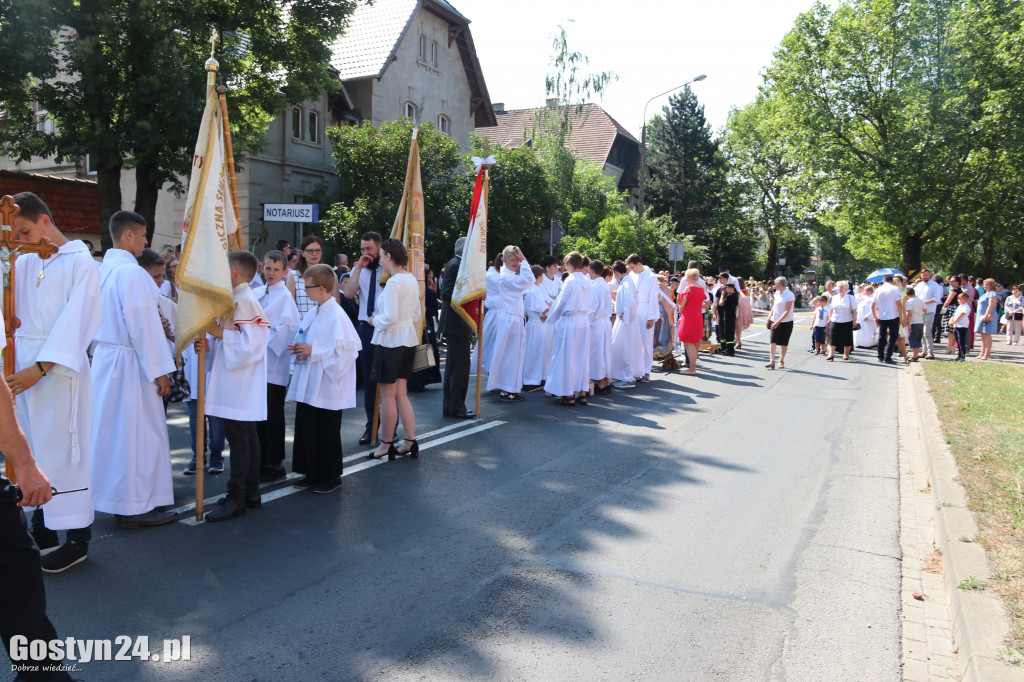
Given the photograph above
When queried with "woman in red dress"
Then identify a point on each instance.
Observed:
(692, 298)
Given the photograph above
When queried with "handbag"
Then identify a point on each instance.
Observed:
(423, 357)
(180, 389)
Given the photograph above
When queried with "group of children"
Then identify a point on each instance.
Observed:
(93, 358)
(569, 339)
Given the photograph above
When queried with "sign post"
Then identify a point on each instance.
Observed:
(676, 252)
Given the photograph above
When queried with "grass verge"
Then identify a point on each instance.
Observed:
(980, 409)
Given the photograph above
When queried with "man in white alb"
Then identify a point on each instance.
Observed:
(648, 311)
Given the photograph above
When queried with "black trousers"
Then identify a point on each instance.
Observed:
(244, 444)
(888, 332)
(963, 338)
(24, 608)
(456, 374)
(727, 330)
(317, 447)
(365, 332)
(272, 431)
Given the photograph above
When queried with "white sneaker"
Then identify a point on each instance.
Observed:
(623, 384)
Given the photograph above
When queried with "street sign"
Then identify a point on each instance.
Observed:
(676, 251)
(291, 213)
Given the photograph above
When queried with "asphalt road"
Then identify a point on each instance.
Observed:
(738, 525)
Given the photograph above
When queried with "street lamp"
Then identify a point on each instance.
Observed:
(643, 138)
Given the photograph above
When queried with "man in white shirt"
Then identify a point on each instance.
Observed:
(365, 281)
(931, 294)
(887, 309)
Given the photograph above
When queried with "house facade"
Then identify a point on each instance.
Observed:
(397, 58)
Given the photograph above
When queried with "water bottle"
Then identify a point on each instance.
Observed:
(300, 339)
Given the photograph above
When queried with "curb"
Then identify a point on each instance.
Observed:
(978, 617)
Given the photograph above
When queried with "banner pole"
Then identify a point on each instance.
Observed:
(479, 356)
(200, 429)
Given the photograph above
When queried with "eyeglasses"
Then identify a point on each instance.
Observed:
(312, 251)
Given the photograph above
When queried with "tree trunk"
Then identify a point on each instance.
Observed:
(912, 252)
(147, 189)
(990, 256)
(771, 261)
(108, 187)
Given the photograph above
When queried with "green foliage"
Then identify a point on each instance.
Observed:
(124, 81)
(371, 165)
(521, 203)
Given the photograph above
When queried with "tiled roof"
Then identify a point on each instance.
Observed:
(593, 131)
(74, 203)
(372, 34)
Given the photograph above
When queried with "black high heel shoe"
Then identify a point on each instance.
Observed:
(392, 451)
(831, 358)
(414, 449)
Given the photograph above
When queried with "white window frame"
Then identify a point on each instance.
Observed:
(409, 110)
(434, 53)
(313, 126)
(297, 112)
(423, 48)
(87, 162)
(444, 124)
(44, 124)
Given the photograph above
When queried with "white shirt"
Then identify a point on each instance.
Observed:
(821, 316)
(365, 274)
(916, 308)
(887, 298)
(929, 290)
(283, 316)
(551, 286)
(237, 388)
(398, 310)
(491, 279)
(165, 288)
(964, 311)
(782, 298)
(843, 307)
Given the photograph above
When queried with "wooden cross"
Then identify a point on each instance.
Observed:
(9, 250)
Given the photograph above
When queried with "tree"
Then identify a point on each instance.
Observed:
(124, 84)
(760, 168)
(371, 166)
(687, 171)
(884, 112)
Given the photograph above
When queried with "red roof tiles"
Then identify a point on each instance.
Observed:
(74, 203)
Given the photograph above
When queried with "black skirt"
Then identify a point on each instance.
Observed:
(780, 335)
(842, 334)
(392, 364)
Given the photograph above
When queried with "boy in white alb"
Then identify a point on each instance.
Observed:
(283, 316)
(323, 384)
(506, 317)
(569, 377)
(131, 466)
(538, 333)
(600, 329)
(626, 344)
(57, 301)
(238, 388)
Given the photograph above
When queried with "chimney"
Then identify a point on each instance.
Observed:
(552, 102)
(499, 107)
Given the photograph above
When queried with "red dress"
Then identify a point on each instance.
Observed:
(691, 319)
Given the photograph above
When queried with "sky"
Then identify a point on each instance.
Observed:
(651, 45)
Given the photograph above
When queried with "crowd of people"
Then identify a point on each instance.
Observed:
(96, 369)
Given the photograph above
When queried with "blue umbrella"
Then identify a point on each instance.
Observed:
(879, 275)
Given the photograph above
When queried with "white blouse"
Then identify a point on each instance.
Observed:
(398, 311)
(843, 307)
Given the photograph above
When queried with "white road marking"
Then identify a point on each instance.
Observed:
(366, 464)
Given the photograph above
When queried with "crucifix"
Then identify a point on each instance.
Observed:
(9, 250)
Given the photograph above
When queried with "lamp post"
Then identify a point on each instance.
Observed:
(643, 138)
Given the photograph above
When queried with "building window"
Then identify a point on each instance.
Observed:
(409, 110)
(89, 170)
(297, 123)
(423, 48)
(444, 124)
(433, 54)
(314, 127)
(44, 123)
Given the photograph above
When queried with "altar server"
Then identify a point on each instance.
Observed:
(131, 466)
(600, 328)
(57, 300)
(283, 317)
(509, 335)
(626, 345)
(323, 384)
(648, 310)
(537, 359)
(569, 376)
